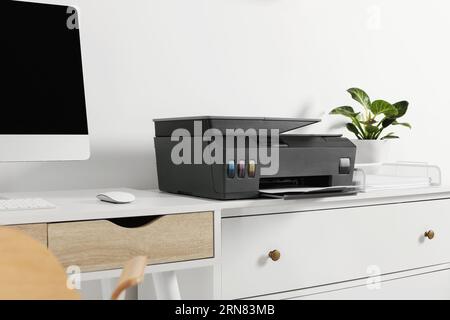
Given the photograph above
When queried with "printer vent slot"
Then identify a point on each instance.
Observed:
(296, 182)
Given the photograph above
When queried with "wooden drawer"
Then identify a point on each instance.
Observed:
(429, 286)
(103, 245)
(324, 247)
(36, 231)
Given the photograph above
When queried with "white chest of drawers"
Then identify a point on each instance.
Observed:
(342, 251)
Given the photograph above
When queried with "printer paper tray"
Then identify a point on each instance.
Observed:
(307, 193)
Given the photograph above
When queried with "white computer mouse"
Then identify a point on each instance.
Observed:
(117, 197)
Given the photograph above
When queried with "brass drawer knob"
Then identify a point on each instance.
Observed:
(429, 234)
(275, 255)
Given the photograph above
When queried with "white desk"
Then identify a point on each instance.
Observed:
(79, 205)
(76, 209)
(244, 230)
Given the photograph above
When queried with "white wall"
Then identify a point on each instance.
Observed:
(162, 58)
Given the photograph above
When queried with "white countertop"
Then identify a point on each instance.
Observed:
(79, 205)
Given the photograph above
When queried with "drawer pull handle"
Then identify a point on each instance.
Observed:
(429, 234)
(275, 255)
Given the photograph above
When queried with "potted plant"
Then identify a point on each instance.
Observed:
(371, 124)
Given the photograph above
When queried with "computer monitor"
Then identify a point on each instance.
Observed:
(42, 98)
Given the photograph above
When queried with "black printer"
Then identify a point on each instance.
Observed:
(240, 158)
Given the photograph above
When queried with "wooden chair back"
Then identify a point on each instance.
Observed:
(29, 271)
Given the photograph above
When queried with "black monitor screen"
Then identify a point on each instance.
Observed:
(42, 89)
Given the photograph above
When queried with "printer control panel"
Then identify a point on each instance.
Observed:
(345, 166)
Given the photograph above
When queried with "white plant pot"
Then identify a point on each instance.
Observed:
(372, 152)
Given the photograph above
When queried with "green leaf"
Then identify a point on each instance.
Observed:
(360, 96)
(390, 136)
(345, 111)
(383, 107)
(352, 128)
(387, 122)
(369, 122)
(371, 131)
(402, 108)
(404, 124)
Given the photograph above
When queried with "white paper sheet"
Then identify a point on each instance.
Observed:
(307, 190)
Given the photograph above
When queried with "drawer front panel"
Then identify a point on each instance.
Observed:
(103, 245)
(430, 286)
(324, 247)
(36, 231)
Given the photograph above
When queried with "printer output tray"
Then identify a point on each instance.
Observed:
(309, 193)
